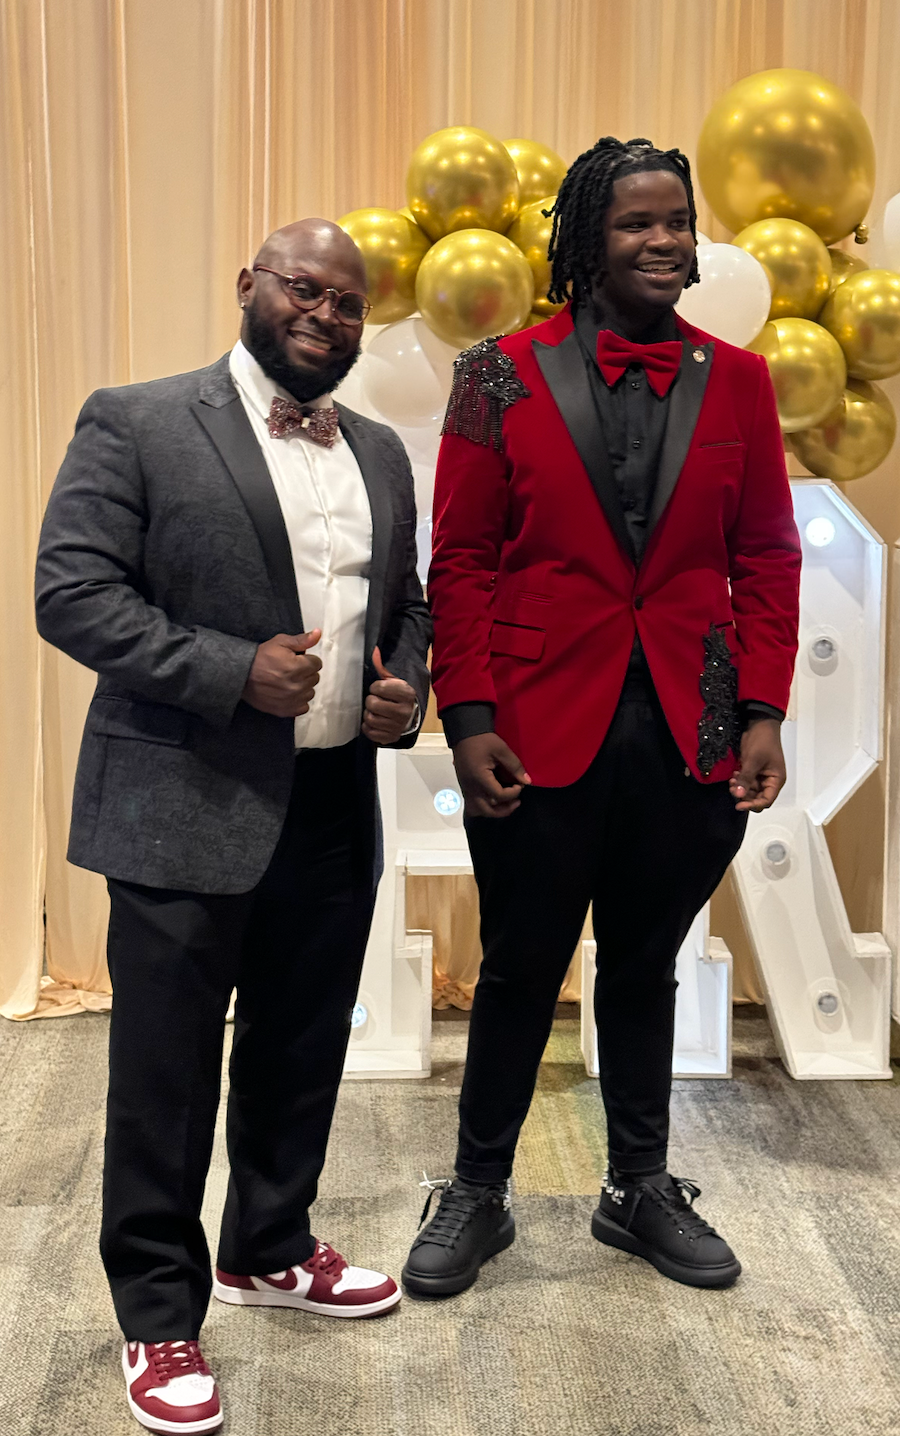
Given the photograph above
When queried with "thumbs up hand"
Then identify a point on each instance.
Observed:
(390, 705)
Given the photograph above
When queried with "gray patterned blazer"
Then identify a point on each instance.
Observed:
(163, 562)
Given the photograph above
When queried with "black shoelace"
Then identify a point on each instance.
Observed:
(456, 1208)
(672, 1201)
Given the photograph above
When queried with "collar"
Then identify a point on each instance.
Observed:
(258, 389)
(589, 319)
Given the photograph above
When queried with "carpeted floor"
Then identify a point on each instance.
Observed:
(560, 1337)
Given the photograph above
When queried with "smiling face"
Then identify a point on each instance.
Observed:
(307, 352)
(648, 243)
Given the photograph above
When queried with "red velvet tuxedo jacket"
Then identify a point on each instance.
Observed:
(535, 596)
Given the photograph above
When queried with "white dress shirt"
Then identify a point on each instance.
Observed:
(329, 526)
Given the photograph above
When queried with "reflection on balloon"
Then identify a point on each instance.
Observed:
(854, 438)
(733, 298)
(787, 143)
(540, 170)
(530, 232)
(393, 247)
(807, 368)
(461, 178)
(864, 317)
(796, 261)
(842, 266)
(474, 284)
(404, 377)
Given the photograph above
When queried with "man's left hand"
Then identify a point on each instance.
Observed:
(389, 707)
(760, 778)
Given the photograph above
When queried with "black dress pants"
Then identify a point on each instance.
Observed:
(648, 845)
(293, 947)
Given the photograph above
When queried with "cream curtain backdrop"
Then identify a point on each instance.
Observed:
(146, 148)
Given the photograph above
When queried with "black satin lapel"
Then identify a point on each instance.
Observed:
(684, 411)
(230, 430)
(562, 366)
(376, 484)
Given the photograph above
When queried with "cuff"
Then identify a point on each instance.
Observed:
(466, 720)
(414, 722)
(750, 709)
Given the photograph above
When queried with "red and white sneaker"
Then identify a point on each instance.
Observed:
(325, 1284)
(170, 1387)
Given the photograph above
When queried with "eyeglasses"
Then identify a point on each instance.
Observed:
(306, 293)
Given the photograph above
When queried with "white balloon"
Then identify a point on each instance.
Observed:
(351, 393)
(702, 238)
(733, 299)
(405, 377)
(890, 235)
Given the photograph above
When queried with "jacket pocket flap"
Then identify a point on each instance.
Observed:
(128, 718)
(517, 641)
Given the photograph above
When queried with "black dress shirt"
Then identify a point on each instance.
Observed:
(631, 422)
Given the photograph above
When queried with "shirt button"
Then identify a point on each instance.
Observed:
(638, 600)
(635, 443)
(635, 384)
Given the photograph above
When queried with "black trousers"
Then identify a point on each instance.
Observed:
(293, 947)
(647, 844)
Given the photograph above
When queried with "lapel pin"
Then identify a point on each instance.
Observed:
(699, 356)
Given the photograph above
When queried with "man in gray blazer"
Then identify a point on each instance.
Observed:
(235, 557)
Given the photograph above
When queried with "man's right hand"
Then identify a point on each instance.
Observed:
(283, 679)
(490, 775)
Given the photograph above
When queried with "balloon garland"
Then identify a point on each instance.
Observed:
(786, 162)
(786, 159)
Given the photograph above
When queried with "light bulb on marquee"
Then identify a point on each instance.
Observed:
(820, 532)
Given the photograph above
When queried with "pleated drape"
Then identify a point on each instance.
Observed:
(147, 147)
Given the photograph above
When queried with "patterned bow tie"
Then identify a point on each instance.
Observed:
(287, 418)
(660, 361)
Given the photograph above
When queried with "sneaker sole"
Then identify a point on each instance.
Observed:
(419, 1284)
(238, 1296)
(187, 1428)
(612, 1235)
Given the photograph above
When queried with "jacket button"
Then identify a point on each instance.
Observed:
(638, 601)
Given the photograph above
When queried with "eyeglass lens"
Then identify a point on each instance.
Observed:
(348, 306)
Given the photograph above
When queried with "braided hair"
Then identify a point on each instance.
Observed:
(576, 240)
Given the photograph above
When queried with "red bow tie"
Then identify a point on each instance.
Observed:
(287, 418)
(660, 361)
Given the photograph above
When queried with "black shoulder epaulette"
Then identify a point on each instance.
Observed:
(485, 383)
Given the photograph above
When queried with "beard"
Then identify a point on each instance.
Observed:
(302, 384)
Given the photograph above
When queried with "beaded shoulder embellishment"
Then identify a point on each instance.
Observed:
(719, 729)
(485, 383)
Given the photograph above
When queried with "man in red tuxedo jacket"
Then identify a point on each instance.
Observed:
(615, 597)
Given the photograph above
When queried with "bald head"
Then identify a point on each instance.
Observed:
(294, 246)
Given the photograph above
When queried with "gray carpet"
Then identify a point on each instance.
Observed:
(559, 1335)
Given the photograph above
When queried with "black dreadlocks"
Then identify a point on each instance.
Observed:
(576, 241)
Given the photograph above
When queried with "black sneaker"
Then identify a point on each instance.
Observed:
(652, 1219)
(470, 1225)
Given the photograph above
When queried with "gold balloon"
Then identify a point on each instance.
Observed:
(462, 178)
(864, 317)
(796, 261)
(540, 169)
(855, 437)
(393, 247)
(787, 143)
(807, 369)
(474, 284)
(842, 266)
(530, 232)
